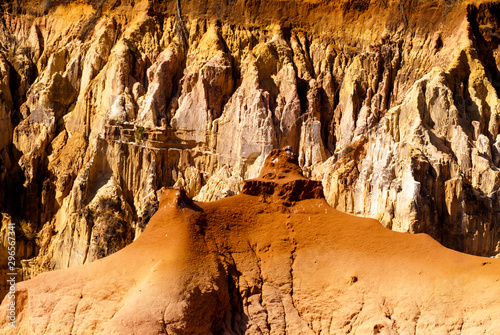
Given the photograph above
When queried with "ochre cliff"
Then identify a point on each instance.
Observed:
(392, 105)
(275, 259)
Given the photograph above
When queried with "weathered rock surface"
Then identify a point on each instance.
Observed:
(392, 105)
(274, 259)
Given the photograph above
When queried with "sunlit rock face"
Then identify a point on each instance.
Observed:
(274, 259)
(392, 105)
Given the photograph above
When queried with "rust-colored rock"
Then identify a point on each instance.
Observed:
(251, 264)
(281, 180)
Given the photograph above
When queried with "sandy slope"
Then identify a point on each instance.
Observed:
(263, 262)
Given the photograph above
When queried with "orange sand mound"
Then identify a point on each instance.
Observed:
(275, 259)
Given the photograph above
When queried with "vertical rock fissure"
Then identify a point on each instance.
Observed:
(261, 283)
(403, 12)
(180, 26)
(74, 312)
(235, 299)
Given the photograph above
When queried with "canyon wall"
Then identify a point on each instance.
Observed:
(274, 259)
(393, 105)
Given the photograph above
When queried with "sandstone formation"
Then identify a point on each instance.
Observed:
(392, 105)
(275, 259)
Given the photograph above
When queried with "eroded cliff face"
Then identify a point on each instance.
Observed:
(392, 105)
(274, 259)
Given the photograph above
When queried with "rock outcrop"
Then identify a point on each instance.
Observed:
(274, 259)
(392, 105)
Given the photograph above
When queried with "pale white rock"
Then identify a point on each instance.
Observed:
(206, 86)
(288, 109)
(221, 184)
(406, 204)
(247, 113)
(485, 177)
(460, 145)
(99, 50)
(189, 180)
(160, 76)
(311, 148)
(123, 108)
(496, 151)
(483, 145)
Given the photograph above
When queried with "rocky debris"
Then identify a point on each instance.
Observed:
(249, 264)
(397, 116)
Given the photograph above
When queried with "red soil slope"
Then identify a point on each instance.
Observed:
(275, 259)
